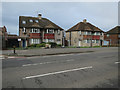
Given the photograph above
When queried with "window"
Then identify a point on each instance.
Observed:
(118, 35)
(49, 31)
(88, 33)
(88, 41)
(94, 33)
(31, 20)
(85, 33)
(80, 32)
(58, 32)
(58, 39)
(85, 41)
(23, 22)
(93, 41)
(97, 41)
(35, 41)
(107, 35)
(97, 33)
(35, 30)
(36, 21)
(24, 30)
(101, 33)
(50, 40)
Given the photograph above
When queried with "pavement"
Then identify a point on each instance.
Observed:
(98, 69)
(52, 51)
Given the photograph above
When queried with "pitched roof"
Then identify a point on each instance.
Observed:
(114, 30)
(84, 26)
(42, 23)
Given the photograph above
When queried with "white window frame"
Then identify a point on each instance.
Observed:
(24, 30)
(88, 33)
(36, 21)
(97, 33)
(98, 41)
(80, 32)
(31, 20)
(85, 41)
(23, 22)
(108, 35)
(118, 35)
(58, 32)
(52, 31)
(88, 40)
(51, 40)
(35, 30)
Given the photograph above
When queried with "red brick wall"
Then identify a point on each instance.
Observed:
(93, 37)
(49, 36)
(35, 35)
(113, 38)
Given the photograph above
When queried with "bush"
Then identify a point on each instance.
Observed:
(59, 45)
(53, 44)
(40, 45)
(32, 45)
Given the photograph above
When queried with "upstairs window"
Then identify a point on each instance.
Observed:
(58, 32)
(97, 33)
(31, 20)
(88, 33)
(35, 30)
(49, 31)
(118, 35)
(85, 33)
(107, 35)
(24, 30)
(23, 22)
(36, 21)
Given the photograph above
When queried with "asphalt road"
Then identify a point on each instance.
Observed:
(83, 70)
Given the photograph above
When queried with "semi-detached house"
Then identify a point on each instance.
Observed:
(35, 30)
(84, 34)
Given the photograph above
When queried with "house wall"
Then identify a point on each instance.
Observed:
(42, 36)
(78, 38)
(112, 38)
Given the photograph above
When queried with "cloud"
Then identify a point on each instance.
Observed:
(65, 14)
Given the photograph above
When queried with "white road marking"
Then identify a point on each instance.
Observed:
(47, 62)
(53, 73)
(82, 53)
(117, 62)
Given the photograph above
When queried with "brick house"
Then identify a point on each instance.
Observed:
(3, 37)
(84, 34)
(35, 30)
(113, 36)
(12, 40)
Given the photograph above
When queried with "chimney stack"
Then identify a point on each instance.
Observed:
(84, 20)
(40, 16)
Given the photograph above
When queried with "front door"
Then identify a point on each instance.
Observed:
(100, 42)
(79, 43)
(23, 43)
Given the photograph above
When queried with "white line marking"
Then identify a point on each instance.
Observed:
(53, 73)
(46, 63)
(82, 53)
(117, 62)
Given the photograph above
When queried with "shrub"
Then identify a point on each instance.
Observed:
(32, 45)
(53, 44)
(40, 45)
(59, 45)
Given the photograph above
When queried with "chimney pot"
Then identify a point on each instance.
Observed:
(84, 20)
(40, 16)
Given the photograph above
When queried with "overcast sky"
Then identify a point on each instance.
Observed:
(65, 14)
